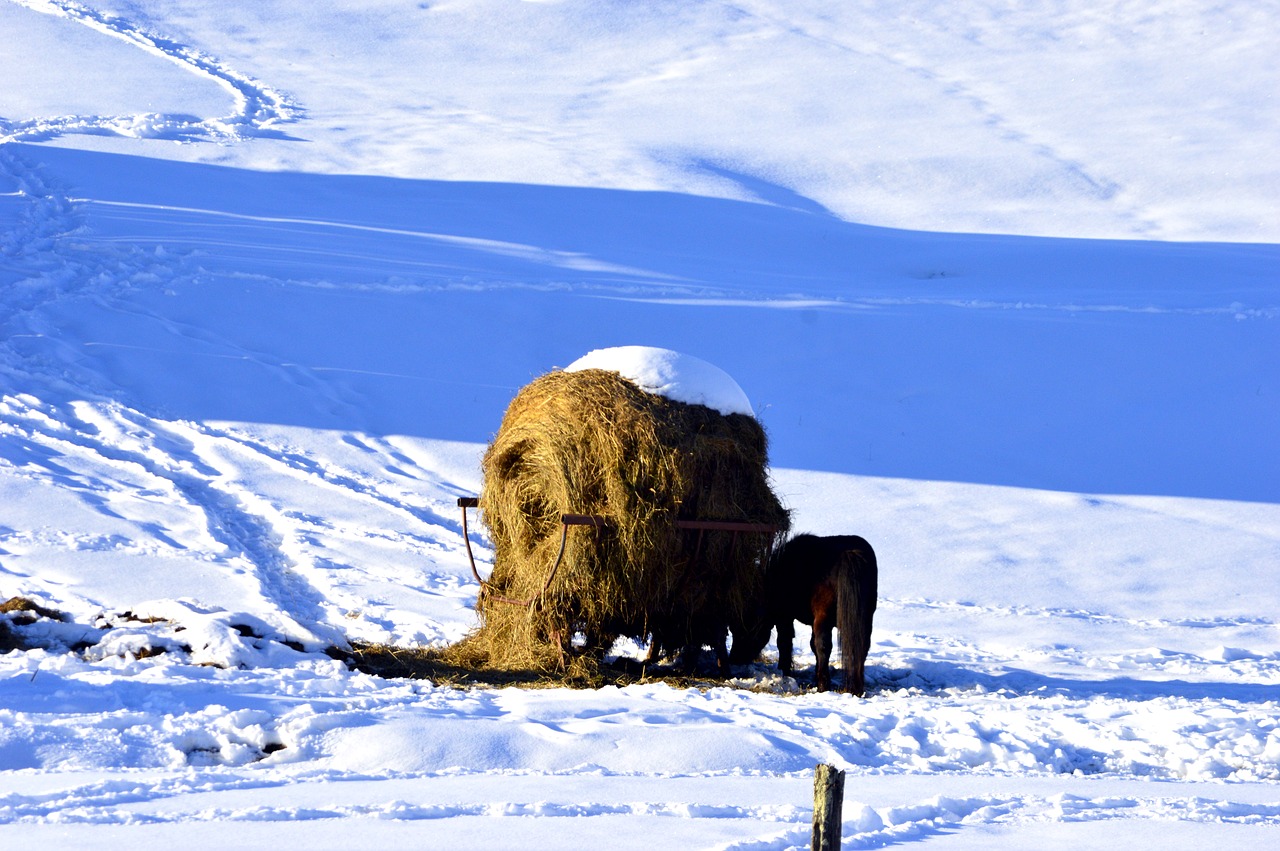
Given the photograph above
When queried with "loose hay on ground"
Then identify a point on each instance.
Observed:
(423, 663)
(19, 612)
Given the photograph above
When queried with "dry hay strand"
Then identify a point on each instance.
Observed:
(592, 442)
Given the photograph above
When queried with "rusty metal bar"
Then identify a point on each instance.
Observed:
(564, 537)
(600, 521)
(465, 502)
(586, 520)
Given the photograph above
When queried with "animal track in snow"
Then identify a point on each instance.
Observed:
(259, 109)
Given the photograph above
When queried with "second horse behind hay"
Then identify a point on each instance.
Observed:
(688, 643)
(826, 582)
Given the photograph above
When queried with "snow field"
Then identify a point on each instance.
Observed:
(269, 275)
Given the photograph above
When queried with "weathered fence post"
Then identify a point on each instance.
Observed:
(828, 801)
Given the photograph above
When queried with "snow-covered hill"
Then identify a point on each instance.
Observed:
(1002, 284)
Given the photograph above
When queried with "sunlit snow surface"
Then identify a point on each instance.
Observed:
(269, 276)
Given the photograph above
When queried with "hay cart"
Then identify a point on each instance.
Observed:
(617, 512)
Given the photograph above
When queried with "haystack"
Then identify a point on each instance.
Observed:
(592, 442)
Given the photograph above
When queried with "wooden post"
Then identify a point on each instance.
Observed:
(828, 801)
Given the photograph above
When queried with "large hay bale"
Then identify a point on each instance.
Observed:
(592, 442)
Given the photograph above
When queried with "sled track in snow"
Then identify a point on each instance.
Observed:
(120, 438)
(258, 107)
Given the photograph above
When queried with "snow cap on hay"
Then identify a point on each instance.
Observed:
(590, 441)
(677, 376)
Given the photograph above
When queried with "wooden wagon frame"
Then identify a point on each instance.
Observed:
(769, 531)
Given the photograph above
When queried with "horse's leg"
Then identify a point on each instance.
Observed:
(822, 651)
(824, 621)
(722, 657)
(597, 643)
(786, 635)
(689, 658)
(655, 653)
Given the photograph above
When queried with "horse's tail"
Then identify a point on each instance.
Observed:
(856, 580)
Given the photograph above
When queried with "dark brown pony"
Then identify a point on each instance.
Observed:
(826, 582)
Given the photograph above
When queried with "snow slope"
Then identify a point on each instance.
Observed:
(1001, 284)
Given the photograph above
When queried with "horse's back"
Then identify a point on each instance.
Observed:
(823, 550)
(807, 561)
(807, 567)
